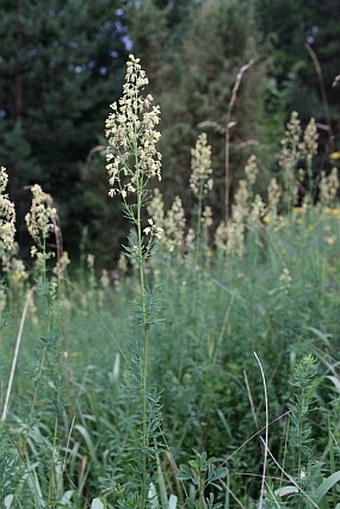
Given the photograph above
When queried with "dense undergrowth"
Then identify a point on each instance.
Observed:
(201, 373)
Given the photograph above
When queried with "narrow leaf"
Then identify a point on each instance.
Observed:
(8, 501)
(335, 381)
(325, 486)
(219, 474)
(286, 490)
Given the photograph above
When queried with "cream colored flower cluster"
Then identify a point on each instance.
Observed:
(200, 180)
(290, 151)
(207, 217)
(153, 230)
(229, 238)
(174, 224)
(290, 156)
(16, 271)
(251, 169)
(61, 266)
(310, 140)
(7, 217)
(329, 185)
(132, 158)
(156, 208)
(105, 279)
(235, 238)
(274, 195)
(240, 208)
(258, 211)
(40, 219)
(297, 149)
(3, 180)
(221, 238)
(169, 227)
(286, 280)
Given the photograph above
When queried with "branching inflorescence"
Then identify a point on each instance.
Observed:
(130, 130)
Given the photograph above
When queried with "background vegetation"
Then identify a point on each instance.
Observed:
(69, 66)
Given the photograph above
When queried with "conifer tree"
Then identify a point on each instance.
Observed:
(61, 63)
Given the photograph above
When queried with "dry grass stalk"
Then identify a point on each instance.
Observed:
(229, 125)
(16, 354)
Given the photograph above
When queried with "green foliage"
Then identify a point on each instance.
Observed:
(76, 400)
(54, 92)
(287, 25)
(98, 213)
(193, 85)
(300, 432)
(204, 476)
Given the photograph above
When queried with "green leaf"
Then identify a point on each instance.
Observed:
(88, 440)
(335, 381)
(183, 477)
(286, 490)
(185, 474)
(97, 504)
(66, 498)
(161, 482)
(325, 486)
(219, 474)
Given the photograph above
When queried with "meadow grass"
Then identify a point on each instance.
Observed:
(74, 416)
(205, 376)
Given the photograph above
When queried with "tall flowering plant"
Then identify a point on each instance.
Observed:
(201, 182)
(132, 160)
(40, 223)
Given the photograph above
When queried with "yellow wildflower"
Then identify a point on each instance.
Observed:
(332, 212)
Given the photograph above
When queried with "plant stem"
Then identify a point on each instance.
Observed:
(44, 266)
(145, 343)
(228, 126)
(324, 97)
(198, 230)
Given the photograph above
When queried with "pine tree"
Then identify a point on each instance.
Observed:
(61, 63)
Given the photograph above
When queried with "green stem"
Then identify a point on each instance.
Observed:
(145, 445)
(44, 274)
(53, 488)
(33, 402)
(198, 230)
(201, 493)
(197, 251)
